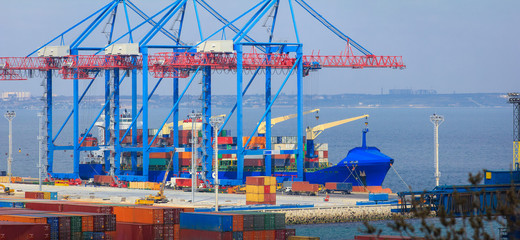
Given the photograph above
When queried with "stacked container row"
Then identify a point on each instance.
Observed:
(261, 190)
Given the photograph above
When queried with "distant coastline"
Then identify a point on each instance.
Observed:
(478, 100)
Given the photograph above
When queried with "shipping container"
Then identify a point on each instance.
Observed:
(206, 222)
(258, 181)
(139, 231)
(88, 208)
(193, 234)
(23, 231)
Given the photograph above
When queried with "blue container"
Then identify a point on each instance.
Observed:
(54, 195)
(206, 222)
(6, 204)
(378, 197)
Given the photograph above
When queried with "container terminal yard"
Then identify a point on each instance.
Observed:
(241, 186)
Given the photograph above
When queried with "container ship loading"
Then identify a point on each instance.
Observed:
(364, 167)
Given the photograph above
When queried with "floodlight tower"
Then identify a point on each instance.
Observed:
(10, 116)
(216, 122)
(194, 116)
(437, 121)
(514, 98)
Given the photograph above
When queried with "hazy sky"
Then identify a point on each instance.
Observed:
(450, 46)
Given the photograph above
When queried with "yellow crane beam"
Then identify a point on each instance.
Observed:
(169, 126)
(314, 132)
(261, 128)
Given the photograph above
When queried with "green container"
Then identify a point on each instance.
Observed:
(75, 224)
(269, 219)
(279, 221)
(158, 161)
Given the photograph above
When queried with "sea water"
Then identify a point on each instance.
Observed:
(470, 140)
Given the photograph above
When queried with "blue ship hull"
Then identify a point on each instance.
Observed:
(363, 166)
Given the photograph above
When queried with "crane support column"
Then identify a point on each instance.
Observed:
(48, 103)
(107, 120)
(268, 161)
(207, 157)
(175, 134)
(117, 146)
(76, 120)
(299, 102)
(240, 146)
(134, 125)
(146, 144)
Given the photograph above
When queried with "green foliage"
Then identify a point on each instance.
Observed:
(473, 222)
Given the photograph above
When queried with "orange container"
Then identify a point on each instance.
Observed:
(160, 155)
(185, 155)
(25, 219)
(269, 235)
(123, 214)
(176, 232)
(249, 235)
(148, 215)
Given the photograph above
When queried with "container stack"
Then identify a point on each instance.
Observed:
(260, 190)
(60, 225)
(148, 222)
(5, 179)
(159, 160)
(42, 195)
(234, 225)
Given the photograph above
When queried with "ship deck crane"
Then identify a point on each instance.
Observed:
(261, 128)
(314, 132)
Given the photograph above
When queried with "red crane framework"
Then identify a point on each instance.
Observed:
(169, 64)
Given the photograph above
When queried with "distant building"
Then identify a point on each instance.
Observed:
(411, 92)
(20, 96)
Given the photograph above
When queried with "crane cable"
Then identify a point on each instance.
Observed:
(408, 186)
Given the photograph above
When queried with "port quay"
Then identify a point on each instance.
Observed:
(201, 175)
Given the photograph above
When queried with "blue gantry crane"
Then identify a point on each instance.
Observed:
(174, 58)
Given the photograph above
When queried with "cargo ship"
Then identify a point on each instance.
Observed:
(365, 167)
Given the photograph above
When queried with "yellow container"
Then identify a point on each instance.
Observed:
(157, 186)
(267, 181)
(250, 189)
(250, 197)
(273, 181)
(132, 185)
(46, 195)
(272, 189)
(258, 197)
(260, 189)
(141, 185)
(4, 179)
(61, 183)
(149, 185)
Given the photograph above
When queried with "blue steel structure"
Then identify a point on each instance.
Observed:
(115, 76)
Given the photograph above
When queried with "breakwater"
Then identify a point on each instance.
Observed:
(338, 214)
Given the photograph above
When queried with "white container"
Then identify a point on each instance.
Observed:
(216, 46)
(123, 49)
(321, 146)
(54, 51)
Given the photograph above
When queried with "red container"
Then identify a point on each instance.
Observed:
(139, 231)
(279, 234)
(185, 162)
(79, 207)
(256, 181)
(190, 234)
(225, 140)
(325, 154)
(254, 162)
(103, 179)
(45, 206)
(22, 231)
(331, 186)
(183, 182)
(167, 155)
(304, 187)
(282, 156)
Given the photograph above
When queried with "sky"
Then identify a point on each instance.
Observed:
(464, 46)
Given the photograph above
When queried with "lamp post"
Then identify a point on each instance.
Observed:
(10, 116)
(193, 116)
(216, 122)
(436, 120)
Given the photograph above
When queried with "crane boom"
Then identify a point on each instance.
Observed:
(261, 128)
(314, 132)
